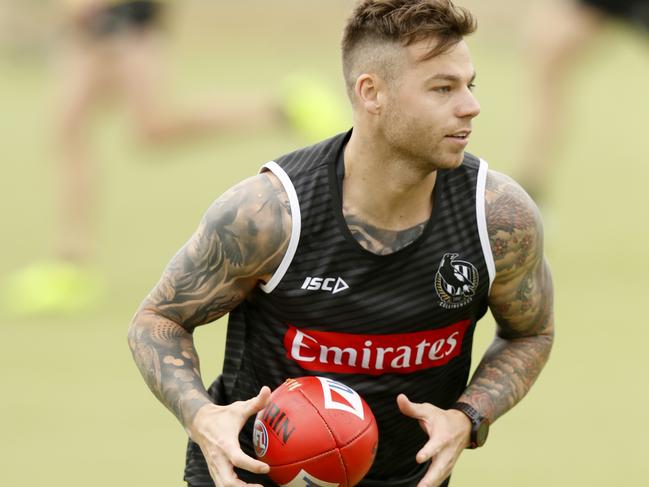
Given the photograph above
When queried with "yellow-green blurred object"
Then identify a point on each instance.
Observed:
(312, 108)
(51, 288)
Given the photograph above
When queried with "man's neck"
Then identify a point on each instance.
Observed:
(383, 188)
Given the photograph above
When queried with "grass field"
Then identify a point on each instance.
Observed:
(73, 408)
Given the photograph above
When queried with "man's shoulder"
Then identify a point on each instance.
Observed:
(502, 188)
(514, 222)
(249, 204)
(314, 155)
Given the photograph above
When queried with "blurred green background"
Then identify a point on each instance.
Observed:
(73, 408)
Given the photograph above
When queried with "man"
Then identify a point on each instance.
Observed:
(388, 238)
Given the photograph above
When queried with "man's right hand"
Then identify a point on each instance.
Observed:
(216, 430)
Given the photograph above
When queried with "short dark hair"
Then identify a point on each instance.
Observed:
(403, 22)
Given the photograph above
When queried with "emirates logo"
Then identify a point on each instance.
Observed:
(349, 353)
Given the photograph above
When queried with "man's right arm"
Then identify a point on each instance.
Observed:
(240, 242)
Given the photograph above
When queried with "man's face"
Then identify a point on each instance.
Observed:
(429, 106)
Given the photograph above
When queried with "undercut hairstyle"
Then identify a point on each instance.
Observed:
(377, 27)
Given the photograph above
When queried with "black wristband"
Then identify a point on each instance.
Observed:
(479, 424)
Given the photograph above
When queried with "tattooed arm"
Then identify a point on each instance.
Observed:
(520, 300)
(239, 243)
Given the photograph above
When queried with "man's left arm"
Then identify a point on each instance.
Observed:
(520, 300)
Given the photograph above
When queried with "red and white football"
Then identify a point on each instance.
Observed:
(316, 431)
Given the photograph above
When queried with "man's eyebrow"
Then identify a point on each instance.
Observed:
(450, 77)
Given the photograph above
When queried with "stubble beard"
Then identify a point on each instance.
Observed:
(422, 149)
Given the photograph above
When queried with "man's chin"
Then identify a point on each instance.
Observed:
(451, 161)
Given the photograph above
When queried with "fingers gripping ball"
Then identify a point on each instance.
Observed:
(316, 432)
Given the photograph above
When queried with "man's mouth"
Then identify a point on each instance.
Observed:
(461, 135)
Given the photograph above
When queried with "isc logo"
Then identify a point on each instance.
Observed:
(331, 284)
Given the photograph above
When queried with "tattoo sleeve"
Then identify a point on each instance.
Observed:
(521, 301)
(239, 242)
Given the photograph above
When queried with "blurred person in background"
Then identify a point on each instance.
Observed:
(560, 34)
(115, 47)
(388, 234)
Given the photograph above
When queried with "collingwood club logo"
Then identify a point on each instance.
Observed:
(455, 281)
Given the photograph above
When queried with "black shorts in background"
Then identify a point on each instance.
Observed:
(633, 11)
(124, 17)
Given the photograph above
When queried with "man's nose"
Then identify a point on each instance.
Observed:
(469, 106)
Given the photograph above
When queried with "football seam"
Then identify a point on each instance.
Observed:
(296, 462)
(358, 435)
(329, 429)
(339, 447)
(352, 441)
(333, 437)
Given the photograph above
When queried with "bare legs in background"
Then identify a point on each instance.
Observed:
(560, 33)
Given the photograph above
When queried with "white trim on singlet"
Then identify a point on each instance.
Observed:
(296, 226)
(482, 221)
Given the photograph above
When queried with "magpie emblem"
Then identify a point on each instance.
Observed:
(456, 281)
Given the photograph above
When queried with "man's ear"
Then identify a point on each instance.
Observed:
(369, 92)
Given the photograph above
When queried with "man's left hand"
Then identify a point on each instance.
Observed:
(448, 434)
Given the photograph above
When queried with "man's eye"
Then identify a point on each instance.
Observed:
(442, 89)
(471, 86)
